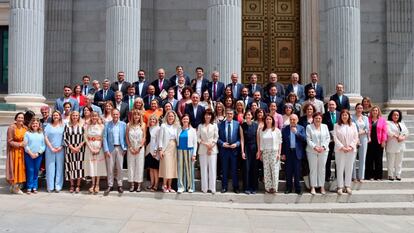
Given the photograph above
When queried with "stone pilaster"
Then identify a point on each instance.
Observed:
(224, 37)
(344, 47)
(309, 24)
(400, 60)
(147, 38)
(123, 26)
(26, 51)
(58, 47)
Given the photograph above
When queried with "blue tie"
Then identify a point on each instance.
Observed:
(229, 132)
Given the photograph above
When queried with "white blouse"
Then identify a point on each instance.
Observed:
(270, 139)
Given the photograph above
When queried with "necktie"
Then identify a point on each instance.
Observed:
(131, 102)
(229, 132)
(333, 117)
(273, 99)
(214, 91)
(234, 90)
(160, 86)
(85, 90)
(104, 95)
(254, 88)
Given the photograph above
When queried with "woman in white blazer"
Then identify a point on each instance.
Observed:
(207, 135)
(317, 138)
(397, 133)
(362, 124)
(346, 139)
(167, 149)
(186, 155)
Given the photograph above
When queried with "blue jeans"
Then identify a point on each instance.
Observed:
(54, 169)
(32, 171)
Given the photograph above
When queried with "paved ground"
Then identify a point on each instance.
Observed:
(65, 212)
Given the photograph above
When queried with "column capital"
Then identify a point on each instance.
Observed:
(212, 3)
(123, 3)
(342, 3)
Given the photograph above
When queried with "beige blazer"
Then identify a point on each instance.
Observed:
(393, 146)
(345, 135)
(164, 138)
(207, 134)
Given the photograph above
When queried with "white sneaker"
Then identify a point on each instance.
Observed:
(339, 191)
(349, 190)
(190, 191)
(180, 190)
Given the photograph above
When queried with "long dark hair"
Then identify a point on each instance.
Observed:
(265, 125)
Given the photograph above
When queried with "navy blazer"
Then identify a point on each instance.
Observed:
(204, 85)
(300, 137)
(301, 92)
(343, 105)
(147, 101)
(166, 84)
(219, 90)
(262, 105)
(326, 119)
(173, 80)
(258, 88)
(126, 98)
(239, 87)
(319, 91)
(144, 88)
(99, 97)
(278, 100)
(90, 90)
(194, 121)
(124, 88)
(235, 135)
(248, 99)
(280, 90)
(123, 111)
(174, 103)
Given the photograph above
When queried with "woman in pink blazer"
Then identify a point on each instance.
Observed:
(378, 129)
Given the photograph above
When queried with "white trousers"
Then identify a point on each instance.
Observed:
(394, 161)
(344, 165)
(136, 166)
(208, 167)
(317, 164)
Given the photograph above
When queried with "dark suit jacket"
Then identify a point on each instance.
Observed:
(258, 88)
(301, 92)
(280, 90)
(194, 121)
(239, 86)
(319, 91)
(204, 85)
(147, 101)
(328, 121)
(91, 90)
(173, 80)
(343, 105)
(166, 84)
(219, 90)
(278, 101)
(262, 105)
(235, 134)
(144, 88)
(124, 88)
(99, 97)
(248, 99)
(176, 91)
(174, 103)
(123, 111)
(300, 137)
(126, 100)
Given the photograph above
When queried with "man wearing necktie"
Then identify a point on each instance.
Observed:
(215, 88)
(253, 86)
(236, 87)
(85, 85)
(149, 97)
(130, 98)
(330, 118)
(104, 94)
(229, 144)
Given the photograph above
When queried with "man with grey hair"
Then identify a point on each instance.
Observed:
(161, 83)
(273, 82)
(296, 87)
(104, 95)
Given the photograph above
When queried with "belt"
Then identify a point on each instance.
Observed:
(95, 138)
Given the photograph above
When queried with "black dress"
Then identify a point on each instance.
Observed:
(250, 149)
(373, 162)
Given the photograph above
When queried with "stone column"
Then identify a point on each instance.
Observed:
(400, 61)
(224, 37)
(309, 24)
(123, 26)
(344, 47)
(26, 50)
(147, 38)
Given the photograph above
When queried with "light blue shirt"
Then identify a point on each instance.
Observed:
(35, 142)
(115, 131)
(292, 140)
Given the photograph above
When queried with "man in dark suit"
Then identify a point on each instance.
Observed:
(235, 86)
(296, 88)
(247, 100)
(199, 84)
(341, 100)
(121, 106)
(194, 110)
(257, 98)
(330, 118)
(253, 86)
(85, 87)
(279, 86)
(179, 71)
(294, 137)
(317, 86)
(104, 95)
(149, 97)
(141, 85)
(215, 88)
(179, 88)
(121, 84)
(170, 99)
(229, 143)
(130, 97)
(273, 98)
(161, 83)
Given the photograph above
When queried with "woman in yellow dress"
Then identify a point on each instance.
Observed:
(15, 167)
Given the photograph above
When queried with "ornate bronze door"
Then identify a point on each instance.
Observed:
(271, 38)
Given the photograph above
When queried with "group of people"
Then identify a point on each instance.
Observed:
(166, 125)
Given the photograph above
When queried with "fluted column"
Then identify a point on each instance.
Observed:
(344, 46)
(123, 26)
(309, 24)
(400, 61)
(224, 37)
(26, 50)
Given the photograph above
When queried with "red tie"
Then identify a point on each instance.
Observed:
(160, 85)
(214, 91)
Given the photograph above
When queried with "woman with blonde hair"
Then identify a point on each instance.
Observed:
(95, 165)
(107, 113)
(366, 105)
(135, 139)
(220, 113)
(73, 139)
(239, 115)
(167, 149)
(139, 105)
(152, 159)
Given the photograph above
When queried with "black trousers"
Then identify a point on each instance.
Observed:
(250, 171)
(373, 161)
(328, 162)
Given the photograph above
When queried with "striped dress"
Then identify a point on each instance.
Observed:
(74, 168)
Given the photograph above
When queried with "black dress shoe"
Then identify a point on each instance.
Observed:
(224, 191)
(236, 191)
(299, 192)
(108, 190)
(120, 190)
(288, 191)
